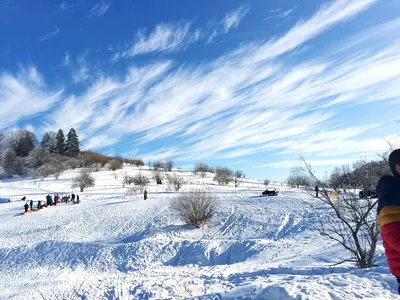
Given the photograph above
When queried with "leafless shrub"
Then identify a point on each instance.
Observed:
(135, 162)
(84, 180)
(267, 182)
(174, 181)
(195, 207)
(347, 220)
(141, 180)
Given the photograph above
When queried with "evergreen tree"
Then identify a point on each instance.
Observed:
(60, 142)
(49, 142)
(72, 143)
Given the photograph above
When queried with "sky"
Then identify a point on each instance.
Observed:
(250, 85)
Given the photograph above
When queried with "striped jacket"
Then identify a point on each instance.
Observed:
(388, 190)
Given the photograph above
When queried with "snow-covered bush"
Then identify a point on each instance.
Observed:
(158, 165)
(195, 207)
(298, 177)
(115, 164)
(174, 181)
(37, 157)
(135, 190)
(202, 169)
(96, 167)
(84, 180)
(11, 163)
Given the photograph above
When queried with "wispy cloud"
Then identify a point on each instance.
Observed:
(49, 35)
(251, 100)
(233, 18)
(170, 37)
(64, 6)
(99, 9)
(24, 89)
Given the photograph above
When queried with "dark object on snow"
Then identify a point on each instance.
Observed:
(77, 199)
(23, 198)
(159, 181)
(145, 195)
(72, 197)
(26, 206)
(270, 193)
(371, 194)
(316, 191)
(31, 204)
(39, 204)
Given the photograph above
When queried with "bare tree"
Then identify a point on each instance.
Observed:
(347, 220)
(223, 175)
(158, 176)
(238, 177)
(195, 207)
(84, 180)
(158, 165)
(175, 182)
(266, 182)
(169, 165)
(202, 169)
(298, 177)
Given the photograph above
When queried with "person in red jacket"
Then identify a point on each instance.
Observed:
(388, 191)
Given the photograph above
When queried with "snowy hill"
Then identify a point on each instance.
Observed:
(118, 246)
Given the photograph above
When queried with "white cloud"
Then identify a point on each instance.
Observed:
(49, 35)
(99, 9)
(233, 18)
(23, 96)
(175, 36)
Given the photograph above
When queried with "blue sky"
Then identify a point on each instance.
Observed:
(250, 85)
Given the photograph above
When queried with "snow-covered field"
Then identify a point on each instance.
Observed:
(114, 246)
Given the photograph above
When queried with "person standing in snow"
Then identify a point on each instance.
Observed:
(145, 195)
(31, 204)
(388, 190)
(77, 199)
(26, 206)
(39, 206)
(72, 198)
(316, 191)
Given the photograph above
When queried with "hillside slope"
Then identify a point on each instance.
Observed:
(114, 246)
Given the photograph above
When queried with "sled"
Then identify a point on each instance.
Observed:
(25, 212)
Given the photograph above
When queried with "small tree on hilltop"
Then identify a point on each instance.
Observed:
(298, 177)
(223, 175)
(238, 177)
(49, 142)
(84, 180)
(72, 143)
(267, 182)
(60, 142)
(195, 207)
(169, 164)
(158, 176)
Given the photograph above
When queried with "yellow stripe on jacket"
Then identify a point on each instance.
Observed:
(388, 215)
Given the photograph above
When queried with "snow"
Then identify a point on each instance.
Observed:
(115, 246)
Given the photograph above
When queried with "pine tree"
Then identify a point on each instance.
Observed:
(72, 143)
(49, 142)
(60, 142)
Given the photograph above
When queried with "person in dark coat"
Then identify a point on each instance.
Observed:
(31, 204)
(388, 190)
(77, 199)
(26, 206)
(316, 191)
(145, 195)
(72, 197)
(39, 204)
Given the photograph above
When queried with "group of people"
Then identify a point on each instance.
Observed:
(51, 201)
